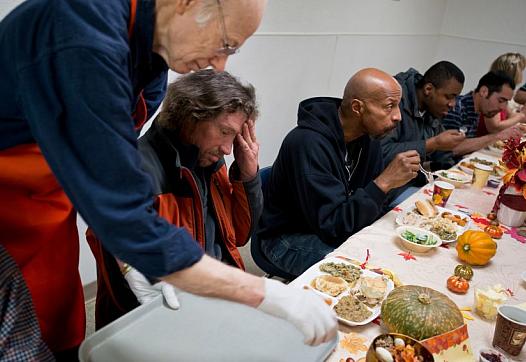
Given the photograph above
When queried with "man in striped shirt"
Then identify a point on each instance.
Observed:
(489, 98)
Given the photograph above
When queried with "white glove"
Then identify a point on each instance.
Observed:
(303, 308)
(145, 292)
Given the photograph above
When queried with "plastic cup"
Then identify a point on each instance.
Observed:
(441, 192)
(480, 175)
(510, 329)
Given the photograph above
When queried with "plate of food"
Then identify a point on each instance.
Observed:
(445, 223)
(497, 148)
(468, 165)
(355, 294)
(457, 178)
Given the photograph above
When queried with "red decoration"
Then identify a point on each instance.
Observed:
(407, 256)
(362, 265)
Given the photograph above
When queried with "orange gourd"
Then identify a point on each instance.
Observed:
(476, 247)
(494, 230)
(457, 284)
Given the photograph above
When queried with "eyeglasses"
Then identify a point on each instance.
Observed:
(227, 49)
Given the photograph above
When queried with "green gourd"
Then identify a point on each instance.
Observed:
(464, 271)
(420, 312)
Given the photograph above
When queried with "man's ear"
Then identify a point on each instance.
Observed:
(483, 91)
(357, 106)
(182, 6)
(428, 87)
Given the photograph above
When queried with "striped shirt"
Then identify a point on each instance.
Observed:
(463, 115)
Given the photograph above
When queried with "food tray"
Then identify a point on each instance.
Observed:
(459, 229)
(304, 281)
(203, 329)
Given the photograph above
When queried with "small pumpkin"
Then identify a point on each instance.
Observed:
(464, 271)
(476, 247)
(420, 312)
(494, 230)
(457, 284)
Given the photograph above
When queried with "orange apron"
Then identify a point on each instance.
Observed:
(38, 228)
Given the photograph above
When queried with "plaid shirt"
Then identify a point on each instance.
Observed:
(20, 338)
(463, 115)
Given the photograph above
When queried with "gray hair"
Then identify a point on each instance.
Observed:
(205, 13)
(203, 96)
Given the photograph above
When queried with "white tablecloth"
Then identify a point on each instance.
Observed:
(433, 269)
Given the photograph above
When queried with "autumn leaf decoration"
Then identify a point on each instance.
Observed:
(407, 256)
(514, 158)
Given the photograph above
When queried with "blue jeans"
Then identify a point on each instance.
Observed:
(295, 253)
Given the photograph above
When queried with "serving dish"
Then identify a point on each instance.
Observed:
(417, 239)
(418, 348)
(366, 289)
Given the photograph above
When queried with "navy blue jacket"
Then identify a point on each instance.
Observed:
(70, 81)
(308, 190)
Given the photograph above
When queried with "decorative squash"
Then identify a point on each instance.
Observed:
(494, 230)
(464, 271)
(476, 247)
(420, 312)
(457, 284)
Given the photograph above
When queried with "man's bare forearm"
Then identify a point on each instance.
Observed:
(211, 278)
(474, 144)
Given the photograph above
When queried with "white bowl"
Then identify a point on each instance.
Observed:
(493, 351)
(418, 231)
(460, 177)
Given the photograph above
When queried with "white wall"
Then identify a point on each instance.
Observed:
(308, 48)
(475, 32)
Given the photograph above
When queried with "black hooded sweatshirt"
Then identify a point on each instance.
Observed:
(310, 190)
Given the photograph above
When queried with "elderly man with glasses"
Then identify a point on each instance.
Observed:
(73, 73)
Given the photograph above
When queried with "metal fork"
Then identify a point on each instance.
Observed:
(427, 174)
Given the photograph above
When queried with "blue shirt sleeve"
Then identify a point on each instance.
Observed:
(78, 105)
(154, 93)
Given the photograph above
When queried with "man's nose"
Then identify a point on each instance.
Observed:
(397, 116)
(219, 62)
(226, 148)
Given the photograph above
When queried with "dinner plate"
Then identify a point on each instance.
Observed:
(470, 160)
(304, 281)
(495, 150)
(459, 229)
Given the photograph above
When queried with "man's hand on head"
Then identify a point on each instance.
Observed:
(246, 151)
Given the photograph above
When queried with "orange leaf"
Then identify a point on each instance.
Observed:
(509, 175)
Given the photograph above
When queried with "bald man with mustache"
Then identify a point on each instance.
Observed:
(329, 180)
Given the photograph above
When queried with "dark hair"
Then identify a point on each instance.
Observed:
(494, 82)
(203, 96)
(440, 73)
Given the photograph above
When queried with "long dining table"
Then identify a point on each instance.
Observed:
(381, 244)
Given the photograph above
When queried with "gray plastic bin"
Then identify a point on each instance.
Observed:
(203, 329)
